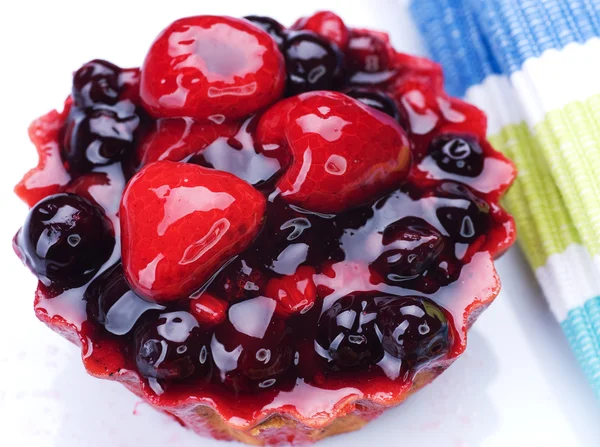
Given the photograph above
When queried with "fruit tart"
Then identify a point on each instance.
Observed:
(272, 234)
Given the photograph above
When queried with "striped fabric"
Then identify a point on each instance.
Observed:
(534, 67)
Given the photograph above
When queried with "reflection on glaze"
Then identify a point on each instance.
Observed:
(182, 201)
(310, 401)
(421, 123)
(219, 52)
(252, 317)
(242, 159)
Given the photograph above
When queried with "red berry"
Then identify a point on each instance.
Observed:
(208, 310)
(175, 139)
(84, 185)
(326, 24)
(344, 152)
(208, 66)
(295, 294)
(181, 222)
(367, 52)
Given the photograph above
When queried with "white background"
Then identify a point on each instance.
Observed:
(516, 385)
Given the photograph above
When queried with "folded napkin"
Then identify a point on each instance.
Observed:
(534, 67)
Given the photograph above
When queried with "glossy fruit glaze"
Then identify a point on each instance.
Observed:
(265, 220)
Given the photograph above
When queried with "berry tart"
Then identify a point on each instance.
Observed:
(272, 234)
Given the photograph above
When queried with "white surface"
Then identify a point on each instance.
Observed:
(516, 385)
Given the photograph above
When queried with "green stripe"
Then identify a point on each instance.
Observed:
(570, 141)
(543, 221)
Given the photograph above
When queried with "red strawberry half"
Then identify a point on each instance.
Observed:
(208, 66)
(344, 153)
(180, 223)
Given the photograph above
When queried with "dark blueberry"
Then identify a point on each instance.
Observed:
(97, 137)
(253, 349)
(65, 240)
(96, 82)
(346, 334)
(172, 346)
(238, 281)
(376, 99)
(271, 26)
(463, 215)
(295, 235)
(312, 63)
(460, 155)
(111, 302)
(414, 329)
(411, 245)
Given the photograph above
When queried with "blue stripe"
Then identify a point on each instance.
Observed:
(475, 38)
(582, 328)
(455, 41)
(521, 29)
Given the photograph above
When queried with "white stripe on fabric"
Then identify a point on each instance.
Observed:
(569, 279)
(497, 98)
(558, 78)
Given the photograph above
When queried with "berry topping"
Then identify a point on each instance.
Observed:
(369, 59)
(346, 335)
(295, 294)
(344, 153)
(305, 220)
(326, 24)
(180, 223)
(413, 329)
(376, 99)
(96, 82)
(173, 346)
(271, 26)
(461, 155)
(207, 309)
(253, 348)
(208, 66)
(111, 303)
(411, 245)
(65, 240)
(97, 137)
(312, 63)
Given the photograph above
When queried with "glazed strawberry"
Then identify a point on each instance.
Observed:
(344, 153)
(295, 294)
(180, 222)
(208, 66)
(176, 139)
(325, 24)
